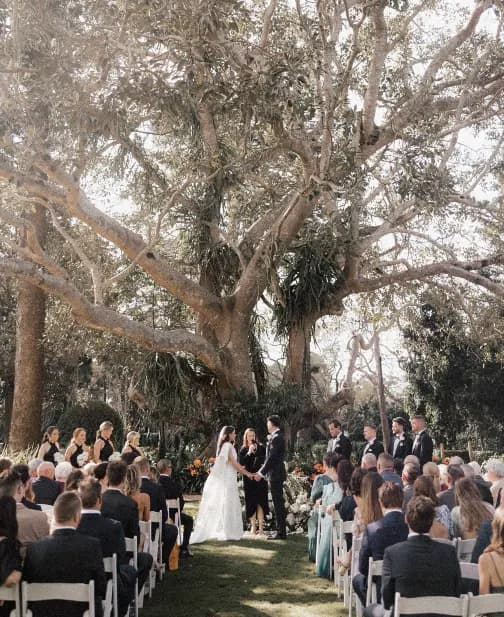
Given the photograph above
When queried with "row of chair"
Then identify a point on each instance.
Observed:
(465, 606)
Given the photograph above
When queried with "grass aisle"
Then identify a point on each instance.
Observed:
(245, 579)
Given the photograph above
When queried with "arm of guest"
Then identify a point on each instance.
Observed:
(365, 554)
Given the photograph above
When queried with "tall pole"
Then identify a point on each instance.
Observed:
(381, 392)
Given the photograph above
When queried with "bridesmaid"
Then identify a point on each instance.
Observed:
(50, 445)
(131, 448)
(103, 447)
(77, 448)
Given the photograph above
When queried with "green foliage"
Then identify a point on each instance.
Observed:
(455, 378)
(89, 417)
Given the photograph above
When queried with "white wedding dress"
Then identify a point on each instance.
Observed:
(220, 511)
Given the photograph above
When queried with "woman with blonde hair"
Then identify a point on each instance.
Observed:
(431, 470)
(252, 456)
(491, 562)
(132, 489)
(470, 510)
(103, 446)
(50, 445)
(77, 451)
(131, 448)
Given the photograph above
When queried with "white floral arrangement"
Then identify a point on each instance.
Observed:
(297, 502)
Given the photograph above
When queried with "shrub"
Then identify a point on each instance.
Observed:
(90, 417)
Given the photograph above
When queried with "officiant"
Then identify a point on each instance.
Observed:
(252, 456)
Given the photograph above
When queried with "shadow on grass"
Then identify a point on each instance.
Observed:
(250, 578)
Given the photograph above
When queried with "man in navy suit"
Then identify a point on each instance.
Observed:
(45, 488)
(274, 471)
(386, 469)
(379, 535)
(169, 533)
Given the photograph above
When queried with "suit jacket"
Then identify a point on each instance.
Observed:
(403, 447)
(171, 490)
(391, 476)
(340, 445)
(447, 498)
(33, 525)
(422, 448)
(274, 467)
(108, 531)
(65, 557)
(484, 489)
(121, 508)
(157, 496)
(482, 541)
(419, 567)
(375, 448)
(45, 490)
(30, 505)
(379, 535)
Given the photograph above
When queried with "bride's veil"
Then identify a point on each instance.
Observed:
(219, 440)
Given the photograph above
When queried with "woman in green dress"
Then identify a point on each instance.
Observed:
(328, 477)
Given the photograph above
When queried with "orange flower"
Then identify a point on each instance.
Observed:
(194, 472)
(197, 463)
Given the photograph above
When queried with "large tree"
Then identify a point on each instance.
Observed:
(230, 127)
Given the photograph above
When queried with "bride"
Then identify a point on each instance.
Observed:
(220, 512)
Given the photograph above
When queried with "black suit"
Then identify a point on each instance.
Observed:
(484, 489)
(111, 536)
(418, 567)
(65, 557)
(30, 505)
(158, 503)
(403, 448)
(375, 448)
(340, 445)
(422, 448)
(173, 491)
(379, 535)
(483, 540)
(46, 491)
(274, 471)
(447, 498)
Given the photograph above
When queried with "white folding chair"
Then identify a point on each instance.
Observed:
(45, 507)
(70, 592)
(446, 541)
(174, 504)
(485, 604)
(336, 518)
(470, 571)
(110, 602)
(465, 549)
(157, 550)
(132, 547)
(343, 581)
(353, 599)
(11, 594)
(374, 569)
(438, 605)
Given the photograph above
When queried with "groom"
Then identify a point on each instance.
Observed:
(274, 471)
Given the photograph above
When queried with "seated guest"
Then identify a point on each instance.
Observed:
(61, 473)
(65, 557)
(442, 521)
(370, 509)
(412, 568)
(111, 536)
(10, 557)
(132, 489)
(5, 467)
(483, 486)
(32, 524)
(484, 537)
(470, 510)
(100, 473)
(410, 473)
(386, 469)
(443, 477)
(495, 475)
(431, 470)
(172, 490)
(131, 448)
(379, 535)
(154, 474)
(74, 479)
(88, 470)
(33, 465)
(456, 460)
(447, 497)
(44, 487)
(369, 462)
(29, 498)
(321, 479)
(411, 458)
(119, 507)
(169, 532)
(491, 562)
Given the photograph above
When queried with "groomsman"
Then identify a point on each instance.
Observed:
(423, 445)
(400, 446)
(339, 443)
(373, 446)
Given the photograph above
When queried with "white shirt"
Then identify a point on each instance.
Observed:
(86, 511)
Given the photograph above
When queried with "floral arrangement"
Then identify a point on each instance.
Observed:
(297, 502)
(194, 475)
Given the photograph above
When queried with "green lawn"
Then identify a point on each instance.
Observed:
(245, 579)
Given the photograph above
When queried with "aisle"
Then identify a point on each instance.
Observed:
(245, 579)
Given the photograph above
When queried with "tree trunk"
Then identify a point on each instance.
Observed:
(381, 394)
(298, 368)
(25, 427)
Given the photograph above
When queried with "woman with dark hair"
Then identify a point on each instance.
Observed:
(252, 455)
(29, 498)
(10, 558)
(50, 445)
(491, 562)
(424, 485)
(74, 479)
(470, 510)
(219, 514)
(347, 506)
(321, 479)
